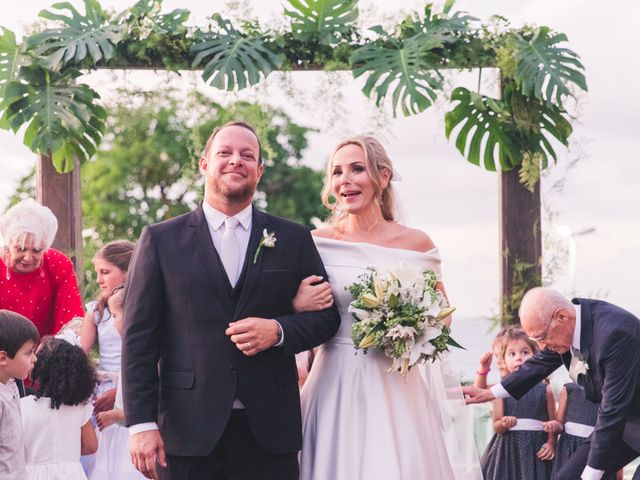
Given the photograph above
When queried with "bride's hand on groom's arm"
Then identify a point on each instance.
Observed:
(253, 334)
(146, 448)
(313, 295)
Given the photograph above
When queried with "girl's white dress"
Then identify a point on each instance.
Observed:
(109, 350)
(115, 461)
(109, 346)
(360, 422)
(52, 439)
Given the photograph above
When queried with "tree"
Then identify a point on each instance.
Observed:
(147, 169)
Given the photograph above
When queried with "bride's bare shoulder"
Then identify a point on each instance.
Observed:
(414, 239)
(324, 232)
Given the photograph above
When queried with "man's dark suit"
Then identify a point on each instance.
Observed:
(610, 344)
(179, 303)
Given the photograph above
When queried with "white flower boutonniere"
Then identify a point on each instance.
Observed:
(268, 240)
(582, 368)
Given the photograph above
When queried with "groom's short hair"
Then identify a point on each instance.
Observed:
(233, 123)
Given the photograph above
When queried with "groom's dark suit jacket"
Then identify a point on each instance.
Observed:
(610, 344)
(181, 369)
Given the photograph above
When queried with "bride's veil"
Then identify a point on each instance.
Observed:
(443, 384)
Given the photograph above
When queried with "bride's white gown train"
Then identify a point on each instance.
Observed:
(360, 422)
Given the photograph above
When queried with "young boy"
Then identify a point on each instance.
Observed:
(18, 338)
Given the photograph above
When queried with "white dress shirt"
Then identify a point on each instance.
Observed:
(499, 391)
(12, 459)
(215, 221)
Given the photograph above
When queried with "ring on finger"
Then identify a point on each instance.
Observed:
(248, 345)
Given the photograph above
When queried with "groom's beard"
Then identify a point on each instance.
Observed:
(238, 195)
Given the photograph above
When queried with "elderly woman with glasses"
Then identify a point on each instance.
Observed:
(35, 280)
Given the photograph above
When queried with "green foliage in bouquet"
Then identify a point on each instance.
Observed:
(401, 313)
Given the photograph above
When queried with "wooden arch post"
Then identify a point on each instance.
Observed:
(61, 193)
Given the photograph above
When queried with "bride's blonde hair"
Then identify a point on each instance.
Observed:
(376, 160)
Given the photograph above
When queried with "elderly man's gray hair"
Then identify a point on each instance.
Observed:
(29, 218)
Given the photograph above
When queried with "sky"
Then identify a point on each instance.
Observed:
(593, 193)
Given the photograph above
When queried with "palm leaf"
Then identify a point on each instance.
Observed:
(88, 34)
(11, 59)
(321, 19)
(236, 60)
(545, 70)
(484, 134)
(62, 118)
(403, 66)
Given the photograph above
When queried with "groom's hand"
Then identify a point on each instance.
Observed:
(146, 448)
(477, 395)
(253, 334)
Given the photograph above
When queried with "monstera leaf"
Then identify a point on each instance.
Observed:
(444, 25)
(62, 118)
(545, 70)
(88, 34)
(321, 19)
(403, 66)
(484, 133)
(535, 122)
(234, 59)
(172, 23)
(11, 59)
(505, 129)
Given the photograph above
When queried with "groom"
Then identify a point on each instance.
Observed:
(209, 374)
(600, 345)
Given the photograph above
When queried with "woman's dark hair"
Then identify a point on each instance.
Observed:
(15, 331)
(118, 253)
(63, 373)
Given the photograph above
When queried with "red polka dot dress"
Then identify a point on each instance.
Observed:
(48, 296)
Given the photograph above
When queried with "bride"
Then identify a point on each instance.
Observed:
(360, 422)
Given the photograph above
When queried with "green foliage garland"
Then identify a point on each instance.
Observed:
(402, 66)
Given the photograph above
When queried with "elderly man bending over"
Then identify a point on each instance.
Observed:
(599, 343)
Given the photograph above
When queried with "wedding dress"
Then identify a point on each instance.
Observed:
(360, 422)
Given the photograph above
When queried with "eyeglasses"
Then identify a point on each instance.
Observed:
(545, 335)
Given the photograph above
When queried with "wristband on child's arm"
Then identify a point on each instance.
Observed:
(483, 373)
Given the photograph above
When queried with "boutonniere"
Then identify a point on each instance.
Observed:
(582, 368)
(268, 240)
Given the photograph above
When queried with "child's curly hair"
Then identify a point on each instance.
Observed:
(63, 373)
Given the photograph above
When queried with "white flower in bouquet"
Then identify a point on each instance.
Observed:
(425, 347)
(407, 274)
(400, 313)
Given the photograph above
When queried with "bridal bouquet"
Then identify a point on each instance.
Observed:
(400, 313)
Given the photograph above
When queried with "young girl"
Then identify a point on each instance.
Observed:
(117, 464)
(485, 361)
(521, 449)
(57, 417)
(576, 419)
(111, 263)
